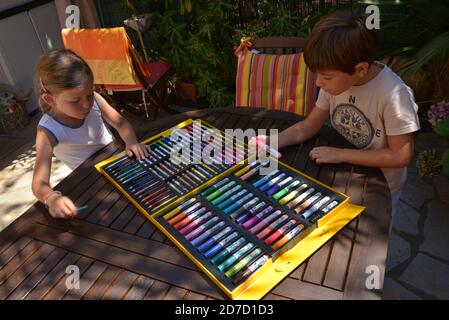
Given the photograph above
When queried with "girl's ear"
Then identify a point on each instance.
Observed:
(48, 99)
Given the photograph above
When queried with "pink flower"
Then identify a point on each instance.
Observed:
(438, 112)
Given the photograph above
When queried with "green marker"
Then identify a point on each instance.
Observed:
(219, 192)
(214, 187)
(234, 257)
(82, 208)
(227, 250)
(292, 194)
(284, 191)
(242, 263)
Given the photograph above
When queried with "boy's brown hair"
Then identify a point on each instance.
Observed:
(339, 41)
(59, 70)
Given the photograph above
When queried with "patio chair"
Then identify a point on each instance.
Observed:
(271, 73)
(117, 67)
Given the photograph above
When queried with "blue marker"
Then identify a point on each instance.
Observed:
(251, 212)
(244, 206)
(232, 199)
(207, 233)
(278, 186)
(306, 214)
(270, 183)
(238, 203)
(214, 239)
(220, 245)
(265, 178)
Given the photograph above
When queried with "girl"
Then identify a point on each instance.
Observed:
(72, 127)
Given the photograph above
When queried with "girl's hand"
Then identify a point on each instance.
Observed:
(140, 151)
(326, 155)
(61, 206)
(262, 138)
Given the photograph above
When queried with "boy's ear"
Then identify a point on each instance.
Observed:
(48, 99)
(361, 68)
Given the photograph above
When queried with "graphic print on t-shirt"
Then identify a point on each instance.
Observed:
(353, 125)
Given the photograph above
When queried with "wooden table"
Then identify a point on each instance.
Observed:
(121, 255)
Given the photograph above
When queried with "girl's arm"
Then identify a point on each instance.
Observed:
(123, 127)
(58, 205)
(398, 154)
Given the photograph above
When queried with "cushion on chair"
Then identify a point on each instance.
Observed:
(156, 69)
(281, 82)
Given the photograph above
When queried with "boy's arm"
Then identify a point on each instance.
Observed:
(398, 154)
(303, 130)
(123, 127)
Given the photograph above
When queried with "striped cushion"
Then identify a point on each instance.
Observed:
(281, 82)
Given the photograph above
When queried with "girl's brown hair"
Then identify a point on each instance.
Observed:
(58, 70)
(339, 41)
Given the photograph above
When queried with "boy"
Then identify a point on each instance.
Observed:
(368, 104)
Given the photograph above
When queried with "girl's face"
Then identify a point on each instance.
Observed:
(72, 104)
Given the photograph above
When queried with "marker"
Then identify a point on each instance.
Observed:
(306, 214)
(214, 239)
(264, 222)
(189, 218)
(271, 227)
(308, 202)
(201, 228)
(207, 233)
(252, 221)
(82, 208)
(184, 213)
(322, 212)
(226, 195)
(235, 256)
(247, 168)
(195, 223)
(214, 187)
(252, 171)
(242, 263)
(264, 179)
(285, 190)
(292, 194)
(220, 245)
(232, 199)
(292, 233)
(227, 250)
(220, 191)
(244, 206)
(250, 269)
(299, 198)
(280, 232)
(238, 203)
(251, 212)
(271, 182)
(278, 186)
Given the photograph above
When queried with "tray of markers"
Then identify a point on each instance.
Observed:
(158, 180)
(246, 225)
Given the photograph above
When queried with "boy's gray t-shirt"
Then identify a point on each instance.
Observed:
(365, 115)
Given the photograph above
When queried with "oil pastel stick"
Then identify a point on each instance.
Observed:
(279, 232)
(220, 191)
(214, 239)
(325, 210)
(247, 168)
(195, 232)
(207, 233)
(271, 227)
(292, 194)
(242, 263)
(220, 256)
(235, 256)
(245, 206)
(250, 212)
(244, 273)
(116, 162)
(308, 202)
(220, 245)
(292, 233)
(252, 171)
(299, 198)
(306, 214)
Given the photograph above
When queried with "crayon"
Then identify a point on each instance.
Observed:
(264, 222)
(292, 194)
(235, 256)
(238, 203)
(299, 198)
(264, 179)
(207, 233)
(215, 260)
(195, 223)
(292, 233)
(195, 232)
(271, 182)
(220, 245)
(306, 214)
(262, 234)
(214, 239)
(182, 206)
(255, 219)
(244, 273)
(308, 202)
(242, 263)
(279, 232)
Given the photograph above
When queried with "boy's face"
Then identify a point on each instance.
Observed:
(336, 82)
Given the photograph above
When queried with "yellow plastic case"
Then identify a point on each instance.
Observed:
(282, 261)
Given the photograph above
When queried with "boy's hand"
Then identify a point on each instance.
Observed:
(326, 155)
(61, 207)
(138, 150)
